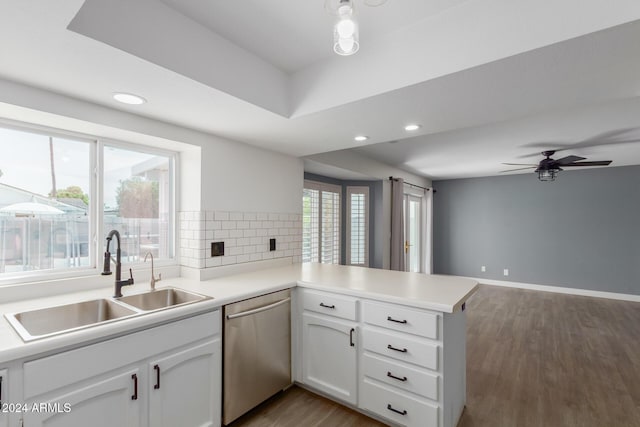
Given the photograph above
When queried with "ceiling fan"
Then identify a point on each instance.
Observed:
(548, 168)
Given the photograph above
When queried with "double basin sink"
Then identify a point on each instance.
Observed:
(46, 322)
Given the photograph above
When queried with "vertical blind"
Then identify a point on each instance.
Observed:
(321, 223)
(357, 226)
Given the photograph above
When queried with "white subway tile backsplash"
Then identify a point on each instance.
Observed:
(245, 234)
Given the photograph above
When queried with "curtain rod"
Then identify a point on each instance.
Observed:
(408, 183)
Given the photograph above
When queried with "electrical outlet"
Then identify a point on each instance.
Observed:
(217, 249)
(506, 271)
(483, 268)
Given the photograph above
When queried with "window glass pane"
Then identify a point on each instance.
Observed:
(358, 228)
(44, 202)
(137, 201)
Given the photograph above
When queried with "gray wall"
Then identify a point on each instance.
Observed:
(376, 245)
(580, 231)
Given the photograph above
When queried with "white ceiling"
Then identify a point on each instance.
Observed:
(485, 78)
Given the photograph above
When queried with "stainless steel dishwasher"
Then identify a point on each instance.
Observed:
(257, 352)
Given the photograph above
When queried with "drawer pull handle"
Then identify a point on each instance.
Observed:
(401, 350)
(157, 384)
(390, 375)
(391, 319)
(134, 377)
(327, 306)
(0, 389)
(351, 337)
(391, 408)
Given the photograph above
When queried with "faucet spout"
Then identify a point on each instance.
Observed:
(119, 283)
(154, 279)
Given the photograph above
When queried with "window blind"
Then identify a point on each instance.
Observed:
(358, 226)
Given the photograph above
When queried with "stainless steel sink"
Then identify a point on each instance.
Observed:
(50, 321)
(161, 298)
(46, 322)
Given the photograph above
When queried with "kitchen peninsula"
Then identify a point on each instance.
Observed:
(389, 344)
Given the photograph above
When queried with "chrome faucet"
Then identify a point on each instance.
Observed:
(107, 265)
(153, 280)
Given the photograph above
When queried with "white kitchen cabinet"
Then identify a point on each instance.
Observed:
(4, 397)
(111, 383)
(330, 357)
(113, 401)
(183, 385)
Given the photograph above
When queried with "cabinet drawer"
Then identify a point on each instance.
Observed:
(399, 318)
(410, 379)
(401, 347)
(397, 407)
(330, 304)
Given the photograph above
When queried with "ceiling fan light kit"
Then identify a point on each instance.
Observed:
(548, 168)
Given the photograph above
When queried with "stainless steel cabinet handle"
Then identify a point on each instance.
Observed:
(391, 408)
(401, 350)
(134, 377)
(157, 385)
(258, 310)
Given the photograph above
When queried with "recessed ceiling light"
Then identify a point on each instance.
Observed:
(128, 98)
(361, 138)
(412, 127)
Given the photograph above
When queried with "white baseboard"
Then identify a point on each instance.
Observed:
(559, 289)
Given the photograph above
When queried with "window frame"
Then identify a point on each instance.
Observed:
(357, 190)
(97, 233)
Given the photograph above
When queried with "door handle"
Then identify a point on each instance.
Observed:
(157, 368)
(351, 337)
(406, 246)
(258, 310)
(134, 377)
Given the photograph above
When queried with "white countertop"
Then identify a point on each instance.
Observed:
(440, 293)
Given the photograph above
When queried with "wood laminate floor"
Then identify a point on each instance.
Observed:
(534, 359)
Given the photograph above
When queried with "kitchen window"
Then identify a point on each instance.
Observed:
(50, 222)
(321, 222)
(358, 226)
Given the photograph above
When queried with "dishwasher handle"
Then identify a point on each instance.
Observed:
(258, 310)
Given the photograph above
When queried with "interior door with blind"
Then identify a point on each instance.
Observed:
(412, 233)
(321, 222)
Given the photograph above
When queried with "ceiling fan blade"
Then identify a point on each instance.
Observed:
(598, 163)
(521, 164)
(569, 159)
(519, 169)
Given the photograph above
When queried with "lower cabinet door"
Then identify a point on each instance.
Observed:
(114, 401)
(185, 387)
(329, 356)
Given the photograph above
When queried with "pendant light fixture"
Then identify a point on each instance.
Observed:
(345, 30)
